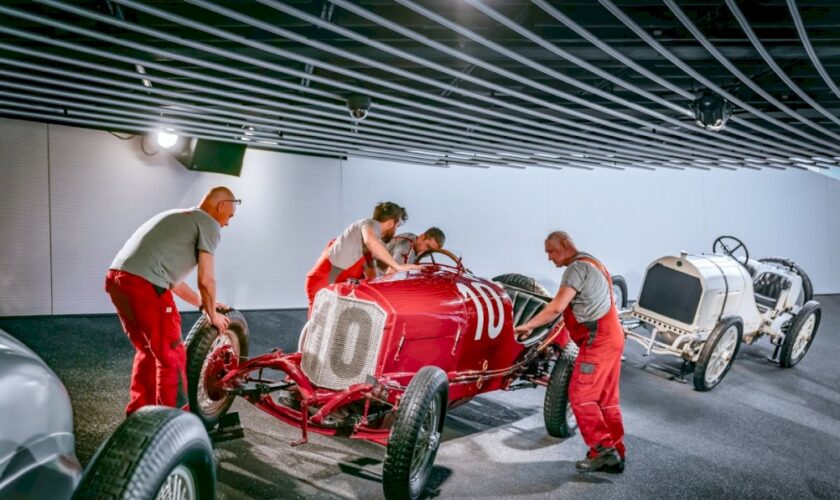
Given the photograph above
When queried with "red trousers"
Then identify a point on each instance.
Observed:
(320, 274)
(153, 325)
(593, 389)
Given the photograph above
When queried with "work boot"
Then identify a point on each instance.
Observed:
(606, 459)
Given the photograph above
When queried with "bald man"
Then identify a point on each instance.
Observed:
(585, 300)
(142, 279)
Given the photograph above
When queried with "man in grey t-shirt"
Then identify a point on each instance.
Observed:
(147, 271)
(585, 300)
(405, 247)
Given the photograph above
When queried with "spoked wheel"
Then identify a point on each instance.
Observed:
(800, 335)
(733, 247)
(415, 436)
(210, 356)
(178, 485)
(718, 354)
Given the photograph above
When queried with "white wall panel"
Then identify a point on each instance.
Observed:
(627, 218)
(101, 189)
(290, 209)
(487, 215)
(24, 220)
(104, 188)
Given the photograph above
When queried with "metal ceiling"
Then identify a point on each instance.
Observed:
(572, 84)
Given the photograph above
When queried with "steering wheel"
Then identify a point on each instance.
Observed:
(729, 245)
(431, 255)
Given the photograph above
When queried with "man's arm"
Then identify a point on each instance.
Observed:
(378, 250)
(187, 294)
(207, 289)
(553, 309)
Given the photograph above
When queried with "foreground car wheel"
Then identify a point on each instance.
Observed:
(718, 354)
(415, 436)
(157, 453)
(210, 355)
(801, 333)
(557, 411)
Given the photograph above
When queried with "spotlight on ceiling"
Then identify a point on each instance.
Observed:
(167, 139)
(711, 111)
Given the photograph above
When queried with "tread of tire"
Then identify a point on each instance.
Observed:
(399, 453)
(523, 282)
(553, 415)
(124, 466)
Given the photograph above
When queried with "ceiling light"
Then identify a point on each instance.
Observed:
(167, 139)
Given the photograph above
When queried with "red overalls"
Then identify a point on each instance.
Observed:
(319, 276)
(153, 325)
(593, 389)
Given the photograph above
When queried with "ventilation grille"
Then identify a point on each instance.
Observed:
(342, 340)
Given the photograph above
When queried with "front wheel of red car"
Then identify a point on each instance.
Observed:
(557, 412)
(415, 436)
(211, 355)
(156, 453)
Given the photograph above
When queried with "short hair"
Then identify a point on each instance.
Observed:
(436, 234)
(560, 238)
(387, 210)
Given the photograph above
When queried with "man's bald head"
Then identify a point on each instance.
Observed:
(216, 195)
(560, 248)
(220, 203)
(560, 238)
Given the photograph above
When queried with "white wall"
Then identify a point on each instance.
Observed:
(87, 191)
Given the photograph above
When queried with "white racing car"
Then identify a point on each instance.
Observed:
(701, 307)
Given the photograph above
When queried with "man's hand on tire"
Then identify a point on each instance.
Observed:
(220, 321)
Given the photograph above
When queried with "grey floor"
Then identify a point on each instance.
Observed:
(763, 433)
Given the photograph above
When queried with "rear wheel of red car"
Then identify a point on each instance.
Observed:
(557, 411)
(156, 453)
(210, 355)
(415, 435)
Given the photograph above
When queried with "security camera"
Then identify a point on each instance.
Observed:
(711, 111)
(358, 106)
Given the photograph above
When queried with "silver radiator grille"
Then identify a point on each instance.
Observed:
(341, 340)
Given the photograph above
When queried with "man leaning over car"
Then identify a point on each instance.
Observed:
(586, 301)
(351, 254)
(405, 247)
(149, 268)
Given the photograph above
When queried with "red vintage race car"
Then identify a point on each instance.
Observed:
(383, 360)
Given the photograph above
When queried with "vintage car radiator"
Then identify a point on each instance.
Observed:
(341, 340)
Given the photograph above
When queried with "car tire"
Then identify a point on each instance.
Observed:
(524, 283)
(557, 411)
(201, 341)
(807, 285)
(155, 449)
(418, 425)
(620, 291)
(800, 334)
(718, 353)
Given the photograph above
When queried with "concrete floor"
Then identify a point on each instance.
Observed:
(764, 432)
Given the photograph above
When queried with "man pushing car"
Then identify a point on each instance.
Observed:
(141, 280)
(585, 300)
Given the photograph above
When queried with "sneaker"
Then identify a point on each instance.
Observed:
(606, 458)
